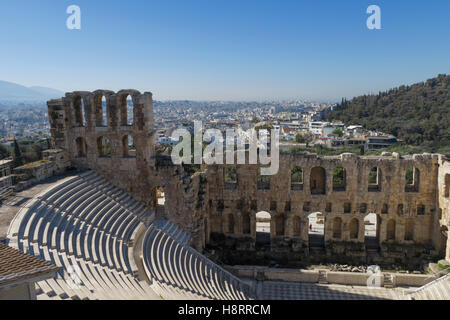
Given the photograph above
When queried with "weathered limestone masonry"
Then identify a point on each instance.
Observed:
(442, 219)
(411, 222)
(96, 135)
(412, 219)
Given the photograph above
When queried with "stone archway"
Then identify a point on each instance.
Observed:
(318, 180)
(246, 223)
(409, 229)
(391, 230)
(372, 230)
(353, 227)
(316, 229)
(337, 228)
(263, 222)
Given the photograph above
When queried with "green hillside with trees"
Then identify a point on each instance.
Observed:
(418, 114)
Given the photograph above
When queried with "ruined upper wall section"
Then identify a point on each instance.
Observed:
(89, 125)
(400, 190)
(374, 177)
(112, 133)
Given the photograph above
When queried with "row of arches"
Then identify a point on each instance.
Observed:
(287, 207)
(316, 228)
(128, 148)
(102, 111)
(318, 179)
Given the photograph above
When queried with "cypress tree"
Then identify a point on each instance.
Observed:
(17, 155)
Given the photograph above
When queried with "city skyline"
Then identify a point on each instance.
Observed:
(257, 50)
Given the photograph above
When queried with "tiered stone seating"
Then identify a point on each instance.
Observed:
(180, 272)
(86, 226)
(438, 289)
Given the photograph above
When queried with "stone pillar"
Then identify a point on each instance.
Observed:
(306, 181)
(305, 230)
(447, 254)
(289, 226)
(238, 225)
(382, 228)
(362, 229)
(327, 229)
(58, 127)
(329, 180)
(253, 224)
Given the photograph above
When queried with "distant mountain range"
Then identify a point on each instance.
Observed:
(15, 92)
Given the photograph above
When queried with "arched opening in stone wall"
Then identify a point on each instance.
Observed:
(215, 224)
(318, 180)
(159, 200)
(447, 185)
(263, 181)
(412, 180)
(263, 220)
(128, 147)
(374, 179)
(390, 230)
(126, 110)
(246, 225)
(230, 223)
(103, 147)
(100, 110)
(353, 227)
(339, 179)
(316, 229)
(80, 111)
(81, 147)
(337, 228)
(279, 225)
(372, 230)
(409, 229)
(297, 224)
(297, 178)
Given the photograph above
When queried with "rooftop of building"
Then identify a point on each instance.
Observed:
(18, 266)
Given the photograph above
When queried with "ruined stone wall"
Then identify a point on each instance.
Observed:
(77, 123)
(406, 213)
(94, 136)
(442, 224)
(354, 201)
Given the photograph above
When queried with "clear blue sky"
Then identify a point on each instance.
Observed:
(225, 49)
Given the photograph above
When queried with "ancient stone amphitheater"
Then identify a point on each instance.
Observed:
(102, 222)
